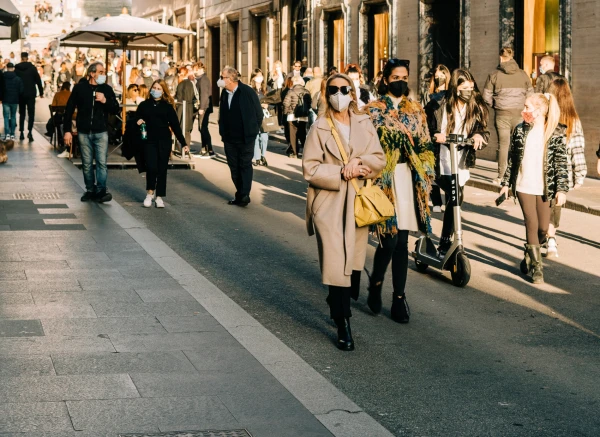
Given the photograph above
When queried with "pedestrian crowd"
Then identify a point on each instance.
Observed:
(352, 135)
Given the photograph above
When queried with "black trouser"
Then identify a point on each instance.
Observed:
(339, 297)
(239, 159)
(536, 213)
(157, 161)
(204, 133)
(436, 195)
(26, 104)
(297, 134)
(445, 183)
(392, 248)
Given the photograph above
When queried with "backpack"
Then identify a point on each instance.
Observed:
(302, 109)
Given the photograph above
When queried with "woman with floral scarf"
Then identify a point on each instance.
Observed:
(401, 125)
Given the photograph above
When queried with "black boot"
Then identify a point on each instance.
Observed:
(536, 269)
(344, 340)
(374, 299)
(400, 312)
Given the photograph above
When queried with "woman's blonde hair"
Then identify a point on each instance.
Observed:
(549, 106)
(353, 104)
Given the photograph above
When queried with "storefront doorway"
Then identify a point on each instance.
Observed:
(336, 41)
(215, 61)
(378, 39)
(300, 45)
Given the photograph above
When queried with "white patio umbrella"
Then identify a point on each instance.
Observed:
(125, 32)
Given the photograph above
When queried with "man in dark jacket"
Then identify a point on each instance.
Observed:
(506, 90)
(185, 94)
(547, 75)
(31, 80)
(204, 88)
(11, 92)
(240, 119)
(94, 102)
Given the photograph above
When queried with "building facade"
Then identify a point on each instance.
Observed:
(249, 34)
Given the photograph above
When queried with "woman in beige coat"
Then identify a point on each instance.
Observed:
(330, 197)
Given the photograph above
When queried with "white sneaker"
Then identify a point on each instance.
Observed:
(159, 202)
(148, 200)
(437, 208)
(552, 247)
(64, 154)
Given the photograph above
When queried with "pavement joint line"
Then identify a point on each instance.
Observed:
(260, 342)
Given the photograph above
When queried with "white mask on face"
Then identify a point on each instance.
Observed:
(259, 79)
(221, 83)
(356, 84)
(340, 102)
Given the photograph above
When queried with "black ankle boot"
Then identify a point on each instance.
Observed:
(400, 310)
(344, 340)
(374, 299)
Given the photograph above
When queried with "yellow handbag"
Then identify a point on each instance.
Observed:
(371, 205)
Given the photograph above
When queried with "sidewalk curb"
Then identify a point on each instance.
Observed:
(341, 416)
(489, 186)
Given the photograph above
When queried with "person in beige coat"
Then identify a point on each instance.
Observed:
(330, 197)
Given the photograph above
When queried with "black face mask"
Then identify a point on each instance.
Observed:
(398, 88)
(465, 96)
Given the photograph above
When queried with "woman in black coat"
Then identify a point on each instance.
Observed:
(158, 114)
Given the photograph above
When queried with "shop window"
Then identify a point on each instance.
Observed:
(537, 33)
(301, 33)
(379, 25)
(337, 41)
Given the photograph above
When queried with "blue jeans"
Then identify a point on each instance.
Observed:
(94, 146)
(260, 145)
(10, 117)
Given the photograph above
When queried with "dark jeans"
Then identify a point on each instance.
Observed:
(9, 111)
(536, 213)
(297, 135)
(445, 183)
(392, 248)
(339, 297)
(204, 133)
(26, 104)
(506, 121)
(239, 159)
(157, 162)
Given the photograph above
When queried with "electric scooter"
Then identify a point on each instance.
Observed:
(455, 260)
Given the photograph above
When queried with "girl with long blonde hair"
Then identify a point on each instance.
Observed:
(537, 173)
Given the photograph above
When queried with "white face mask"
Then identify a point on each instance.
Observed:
(221, 83)
(259, 79)
(101, 79)
(340, 102)
(356, 84)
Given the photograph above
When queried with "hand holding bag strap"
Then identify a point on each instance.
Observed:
(338, 141)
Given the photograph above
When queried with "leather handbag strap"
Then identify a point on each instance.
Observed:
(338, 141)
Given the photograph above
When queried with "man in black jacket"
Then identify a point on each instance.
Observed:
(31, 80)
(204, 87)
(240, 119)
(94, 101)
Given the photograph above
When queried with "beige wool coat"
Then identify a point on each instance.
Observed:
(330, 199)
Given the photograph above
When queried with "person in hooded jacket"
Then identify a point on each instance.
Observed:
(31, 83)
(506, 90)
(13, 89)
(94, 101)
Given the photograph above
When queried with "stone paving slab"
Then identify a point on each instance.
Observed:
(172, 342)
(109, 309)
(113, 296)
(48, 286)
(102, 326)
(54, 344)
(189, 324)
(21, 328)
(47, 311)
(26, 389)
(26, 365)
(38, 417)
(111, 363)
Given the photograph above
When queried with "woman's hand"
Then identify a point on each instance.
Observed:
(184, 150)
(504, 190)
(440, 138)
(349, 169)
(140, 122)
(478, 141)
(362, 171)
(561, 199)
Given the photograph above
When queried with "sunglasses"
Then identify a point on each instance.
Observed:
(345, 90)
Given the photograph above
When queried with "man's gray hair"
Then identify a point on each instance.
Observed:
(233, 73)
(93, 67)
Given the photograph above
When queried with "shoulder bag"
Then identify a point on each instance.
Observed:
(371, 205)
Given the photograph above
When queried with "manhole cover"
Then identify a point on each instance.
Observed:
(28, 196)
(209, 433)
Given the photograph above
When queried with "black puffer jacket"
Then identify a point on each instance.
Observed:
(31, 79)
(556, 166)
(13, 88)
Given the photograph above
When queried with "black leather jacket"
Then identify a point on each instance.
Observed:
(556, 167)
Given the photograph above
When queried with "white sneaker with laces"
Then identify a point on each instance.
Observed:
(64, 154)
(552, 247)
(159, 202)
(437, 208)
(148, 200)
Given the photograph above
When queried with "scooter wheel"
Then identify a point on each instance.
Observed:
(421, 267)
(461, 271)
